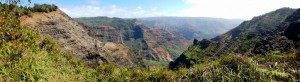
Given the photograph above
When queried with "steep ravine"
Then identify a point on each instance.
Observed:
(77, 39)
(152, 44)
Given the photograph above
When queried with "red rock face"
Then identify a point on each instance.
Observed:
(107, 34)
(161, 41)
(155, 44)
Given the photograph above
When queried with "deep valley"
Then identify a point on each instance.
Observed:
(43, 42)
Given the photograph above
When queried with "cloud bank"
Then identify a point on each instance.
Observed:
(244, 9)
(111, 11)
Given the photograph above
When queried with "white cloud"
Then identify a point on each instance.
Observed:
(245, 9)
(111, 11)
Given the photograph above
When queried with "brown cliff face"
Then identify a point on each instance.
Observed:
(107, 34)
(163, 42)
(152, 44)
(75, 37)
(153, 51)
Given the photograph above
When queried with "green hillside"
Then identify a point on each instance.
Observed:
(26, 56)
(241, 39)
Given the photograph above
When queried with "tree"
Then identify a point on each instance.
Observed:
(44, 8)
(15, 2)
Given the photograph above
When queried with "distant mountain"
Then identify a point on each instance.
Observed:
(249, 38)
(192, 27)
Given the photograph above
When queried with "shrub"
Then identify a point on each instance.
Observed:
(44, 8)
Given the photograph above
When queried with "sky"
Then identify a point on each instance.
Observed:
(231, 9)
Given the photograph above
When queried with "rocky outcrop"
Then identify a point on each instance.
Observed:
(107, 34)
(75, 37)
(181, 61)
(203, 43)
(273, 43)
(293, 33)
(286, 39)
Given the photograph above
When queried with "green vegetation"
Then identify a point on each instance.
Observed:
(262, 24)
(246, 35)
(246, 42)
(274, 66)
(235, 67)
(44, 8)
(238, 68)
(153, 63)
(175, 50)
(198, 55)
(24, 10)
(118, 23)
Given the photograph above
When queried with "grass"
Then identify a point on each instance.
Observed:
(238, 68)
(154, 63)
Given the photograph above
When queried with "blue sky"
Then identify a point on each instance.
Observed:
(242, 9)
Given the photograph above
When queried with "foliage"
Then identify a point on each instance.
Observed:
(198, 55)
(232, 67)
(24, 10)
(243, 38)
(14, 2)
(250, 32)
(154, 63)
(238, 68)
(261, 25)
(246, 42)
(175, 50)
(44, 8)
